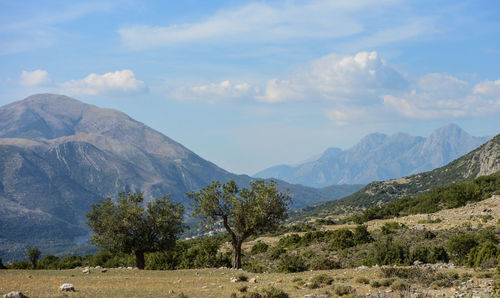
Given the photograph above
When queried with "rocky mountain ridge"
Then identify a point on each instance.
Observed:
(379, 157)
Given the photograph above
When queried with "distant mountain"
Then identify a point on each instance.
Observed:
(482, 161)
(379, 157)
(58, 156)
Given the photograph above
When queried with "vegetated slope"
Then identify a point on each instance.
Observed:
(380, 157)
(482, 161)
(451, 196)
(58, 156)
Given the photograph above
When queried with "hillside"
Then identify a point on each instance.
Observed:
(58, 156)
(379, 157)
(482, 161)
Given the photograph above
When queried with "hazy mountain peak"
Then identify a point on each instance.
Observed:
(378, 156)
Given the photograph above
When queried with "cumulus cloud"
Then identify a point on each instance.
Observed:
(35, 78)
(120, 82)
(488, 88)
(258, 22)
(441, 96)
(336, 77)
(214, 92)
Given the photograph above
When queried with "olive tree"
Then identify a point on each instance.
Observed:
(243, 212)
(127, 227)
(33, 254)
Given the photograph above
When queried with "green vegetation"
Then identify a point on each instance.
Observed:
(126, 227)
(244, 212)
(33, 254)
(450, 196)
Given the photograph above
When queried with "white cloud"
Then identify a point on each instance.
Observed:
(213, 92)
(488, 88)
(343, 115)
(35, 78)
(342, 78)
(441, 96)
(120, 82)
(259, 22)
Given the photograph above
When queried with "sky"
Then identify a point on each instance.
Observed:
(252, 84)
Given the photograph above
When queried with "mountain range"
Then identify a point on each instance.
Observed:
(379, 157)
(482, 161)
(58, 156)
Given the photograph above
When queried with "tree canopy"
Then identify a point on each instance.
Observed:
(243, 212)
(33, 254)
(127, 227)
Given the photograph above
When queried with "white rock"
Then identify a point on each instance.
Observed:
(253, 280)
(14, 294)
(86, 271)
(67, 287)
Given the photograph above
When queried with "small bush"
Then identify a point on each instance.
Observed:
(254, 267)
(420, 275)
(273, 292)
(242, 277)
(343, 290)
(19, 265)
(375, 284)
(276, 252)
(259, 247)
(298, 281)
(292, 240)
(243, 289)
(361, 235)
(439, 254)
(362, 280)
(314, 285)
(322, 279)
(444, 283)
(324, 263)
(390, 227)
(252, 295)
(291, 263)
(400, 285)
(387, 282)
(429, 235)
(342, 238)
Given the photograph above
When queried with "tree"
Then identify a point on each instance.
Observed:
(33, 254)
(243, 212)
(127, 227)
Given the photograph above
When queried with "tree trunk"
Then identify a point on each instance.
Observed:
(237, 254)
(139, 259)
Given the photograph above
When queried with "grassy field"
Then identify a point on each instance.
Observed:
(208, 283)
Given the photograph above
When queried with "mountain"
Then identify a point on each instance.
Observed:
(482, 161)
(379, 157)
(58, 156)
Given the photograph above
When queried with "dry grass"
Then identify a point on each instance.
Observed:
(192, 283)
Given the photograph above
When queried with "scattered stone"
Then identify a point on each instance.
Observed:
(14, 294)
(98, 267)
(253, 280)
(29, 276)
(67, 287)
(363, 267)
(86, 271)
(204, 287)
(234, 279)
(171, 292)
(104, 270)
(129, 268)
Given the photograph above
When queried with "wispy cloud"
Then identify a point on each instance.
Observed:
(213, 92)
(259, 22)
(40, 29)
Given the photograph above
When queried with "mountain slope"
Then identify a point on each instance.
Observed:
(379, 157)
(482, 161)
(58, 156)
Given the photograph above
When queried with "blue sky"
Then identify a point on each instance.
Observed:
(247, 84)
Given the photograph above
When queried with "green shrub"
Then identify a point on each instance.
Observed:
(343, 290)
(413, 274)
(322, 279)
(49, 262)
(459, 246)
(259, 247)
(252, 295)
(439, 254)
(390, 227)
(19, 265)
(420, 253)
(400, 285)
(242, 277)
(375, 284)
(386, 282)
(298, 281)
(70, 262)
(362, 280)
(291, 263)
(429, 235)
(361, 235)
(272, 292)
(324, 263)
(480, 256)
(342, 238)
(276, 252)
(243, 289)
(292, 240)
(386, 252)
(254, 267)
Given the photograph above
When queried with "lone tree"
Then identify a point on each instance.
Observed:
(128, 227)
(33, 254)
(244, 212)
